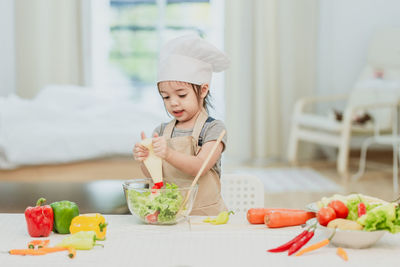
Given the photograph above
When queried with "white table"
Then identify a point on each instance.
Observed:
(130, 243)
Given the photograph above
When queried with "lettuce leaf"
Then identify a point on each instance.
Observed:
(352, 201)
(167, 203)
(383, 217)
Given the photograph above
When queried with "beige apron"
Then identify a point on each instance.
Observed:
(208, 200)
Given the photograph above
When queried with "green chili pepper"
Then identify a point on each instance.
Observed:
(64, 211)
(83, 240)
(222, 218)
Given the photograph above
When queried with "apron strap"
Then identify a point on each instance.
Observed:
(198, 126)
(169, 129)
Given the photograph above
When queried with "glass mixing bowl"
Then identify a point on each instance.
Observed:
(158, 206)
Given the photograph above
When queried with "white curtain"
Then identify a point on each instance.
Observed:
(7, 50)
(48, 44)
(272, 46)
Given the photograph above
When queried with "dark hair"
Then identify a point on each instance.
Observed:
(207, 102)
(197, 89)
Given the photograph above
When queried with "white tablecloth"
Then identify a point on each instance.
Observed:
(130, 243)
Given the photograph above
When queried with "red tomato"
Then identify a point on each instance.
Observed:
(340, 208)
(153, 217)
(325, 215)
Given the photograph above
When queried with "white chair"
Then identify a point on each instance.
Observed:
(393, 140)
(242, 192)
(383, 64)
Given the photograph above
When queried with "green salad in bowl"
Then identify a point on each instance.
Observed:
(357, 220)
(158, 206)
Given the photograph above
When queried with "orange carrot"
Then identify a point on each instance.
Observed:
(313, 247)
(53, 249)
(71, 252)
(318, 245)
(257, 215)
(28, 251)
(39, 243)
(342, 253)
(275, 219)
(40, 251)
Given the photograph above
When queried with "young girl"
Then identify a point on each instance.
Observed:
(184, 74)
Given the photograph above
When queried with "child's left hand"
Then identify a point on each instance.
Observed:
(160, 146)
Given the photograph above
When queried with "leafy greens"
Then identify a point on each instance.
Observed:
(167, 203)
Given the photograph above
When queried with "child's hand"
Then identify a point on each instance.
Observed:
(140, 152)
(160, 146)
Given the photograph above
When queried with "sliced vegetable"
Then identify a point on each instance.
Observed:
(275, 219)
(152, 217)
(361, 209)
(342, 253)
(38, 243)
(71, 252)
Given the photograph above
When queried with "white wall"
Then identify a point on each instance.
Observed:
(7, 50)
(345, 29)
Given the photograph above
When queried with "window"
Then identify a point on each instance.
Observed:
(126, 37)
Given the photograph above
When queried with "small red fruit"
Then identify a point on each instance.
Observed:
(340, 208)
(325, 215)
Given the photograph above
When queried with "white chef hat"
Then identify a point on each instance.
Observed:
(190, 59)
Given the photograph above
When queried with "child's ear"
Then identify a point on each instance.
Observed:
(204, 90)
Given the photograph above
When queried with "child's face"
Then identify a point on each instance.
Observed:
(181, 100)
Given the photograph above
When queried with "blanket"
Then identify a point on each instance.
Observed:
(70, 123)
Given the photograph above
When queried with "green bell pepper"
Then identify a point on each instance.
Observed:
(64, 211)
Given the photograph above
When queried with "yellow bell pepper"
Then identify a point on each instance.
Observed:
(89, 222)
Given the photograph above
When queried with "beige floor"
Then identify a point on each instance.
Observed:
(377, 180)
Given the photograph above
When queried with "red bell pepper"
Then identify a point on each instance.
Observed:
(39, 219)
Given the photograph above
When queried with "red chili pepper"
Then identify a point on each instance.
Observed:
(39, 219)
(299, 244)
(361, 209)
(287, 245)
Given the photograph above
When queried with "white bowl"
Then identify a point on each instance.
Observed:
(350, 238)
